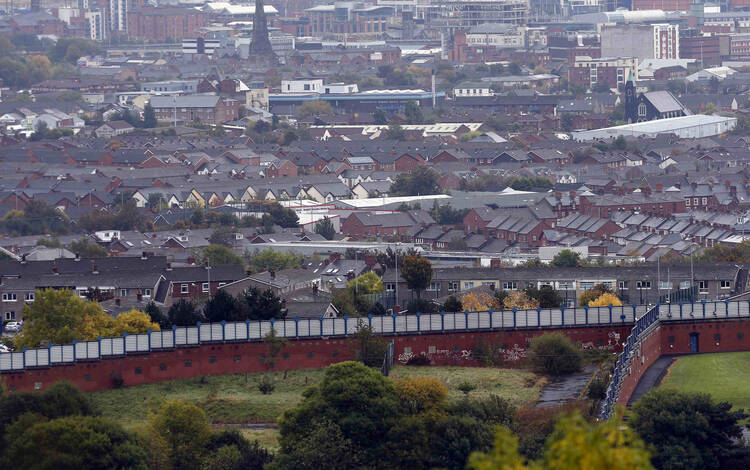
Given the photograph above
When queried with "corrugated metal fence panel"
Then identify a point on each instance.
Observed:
(327, 326)
(304, 327)
(156, 340)
(30, 357)
(81, 352)
(192, 337)
(434, 324)
(553, 317)
(92, 349)
(118, 346)
(5, 361)
(401, 323)
(450, 320)
(55, 354)
(314, 328)
(472, 320)
(377, 324)
(167, 339)
(254, 330)
(131, 344)
(484, 319)
(339, 326)
(142, 342)
(41, 356)
(265, 327)
(205, 332)
(16, 360)
(387, 324)
(217, 332)
(412, 323)
(230, 330)
(288, 328)
(180, 336)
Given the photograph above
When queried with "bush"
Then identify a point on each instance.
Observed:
(421, 306)
(265, 385)
(419, 360)
(492, 409)
(487, 353)
(597, 389)
(554, 354)
(467, 387)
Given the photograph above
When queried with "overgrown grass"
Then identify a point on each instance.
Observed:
(236, 399)
(725, 376)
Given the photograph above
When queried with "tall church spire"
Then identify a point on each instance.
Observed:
(261, 45)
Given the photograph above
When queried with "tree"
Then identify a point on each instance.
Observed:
(369, 348)
(133, 322)
(184, 313)
(59, 317)
(367, 283)
(380, 117)
(223, 306)
(479, 302)
(217, 255)
(229, 450)
(325, 228)
(606, 300)
(554, 354)
(81, 442)
(40, 131)
(547, 296)
(272, 260)
(261, 305)
(149, 117)
(157, 315)
(710, 108)
(395, 132)
(413, 113)
(314, 108)
(420, 394)
(88, 249)
(592, 294)
(364, 407)
(223, 236)
(417, 272)
(343, 300)
(567, 121)
(179, 433)
(690, 430)
(566, 259)
(421, 181)
(452, 304)
(520, 301)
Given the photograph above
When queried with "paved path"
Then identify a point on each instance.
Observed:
(565, 388)
(651, 378)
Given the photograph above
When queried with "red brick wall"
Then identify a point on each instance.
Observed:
(216, 359)
(649, 352)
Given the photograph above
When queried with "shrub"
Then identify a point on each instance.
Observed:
(452, 304)
(487, 353)
(421, 393)
(421, 305)
(597, 389)
(265, 385)
(467, 387)
(491, 409)
(554, 354)
(419, 360)
(605, 300)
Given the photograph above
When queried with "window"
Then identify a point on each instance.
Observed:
(307, 87)
(703, 287)
(434, 286)
(704, 201)
(29, 297)
(566, 285)
(390, 286)
(512, 285)
(643, 284)
(687, 202)
(586, 285)
(453, 285)
(725, 284)
(684, 284)
(665, 285)
(204, 288)
(10, 315)
(147, 292)
(622, 285)
(468, 285)
(184, 288)
(123, 292)
(10, 297)
(642, 110)
(489, 284)
(695, 201)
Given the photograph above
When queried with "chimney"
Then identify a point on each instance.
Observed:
(169, 266)
(78, 257)
(144, 255)
(54, 268)
(659, 187)
(572, 193)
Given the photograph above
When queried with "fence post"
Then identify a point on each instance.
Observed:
(726, 305)
(680, 309)
(99, 341)
(148, 333)
(514, 317)
(703, 301)
(562, 314)
(296, 327)
(247, 328)
(394, 323)
(346, 325)
(321, 325)
(586, 313)
(199, 332)
(490, 311)
(538, 317)
(369, 320)
(223, 330)
(610, 314)
(272, 320)
(419, 314)
(74, 348)
(442, 320)
(23, 358)
(466, 319)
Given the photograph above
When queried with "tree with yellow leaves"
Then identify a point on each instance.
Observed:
(134, 322)
(575, 445)
(606, 300)
(480, 302)
(421, 393)
(520, 301)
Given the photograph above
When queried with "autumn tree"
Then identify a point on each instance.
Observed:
(606, 299)
(520, 301)
(417, 272)
(594, 293)
(479, 302)
(420, 394)
(178, 434)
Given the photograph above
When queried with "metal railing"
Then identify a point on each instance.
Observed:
(252, 331)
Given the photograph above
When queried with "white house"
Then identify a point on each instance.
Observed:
(302, 85)
(468, 89)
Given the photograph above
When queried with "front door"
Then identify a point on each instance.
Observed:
(694, 342)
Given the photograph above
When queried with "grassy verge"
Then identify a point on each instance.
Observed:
(725, 376)
(236, 399)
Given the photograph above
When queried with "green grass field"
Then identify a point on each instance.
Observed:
(236, 399)
(725, 376)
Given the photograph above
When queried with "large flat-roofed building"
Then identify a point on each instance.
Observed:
(685, 127)
(464, 14)
(643, 41)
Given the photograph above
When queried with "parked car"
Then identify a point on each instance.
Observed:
(4, 348)
(12, 327)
